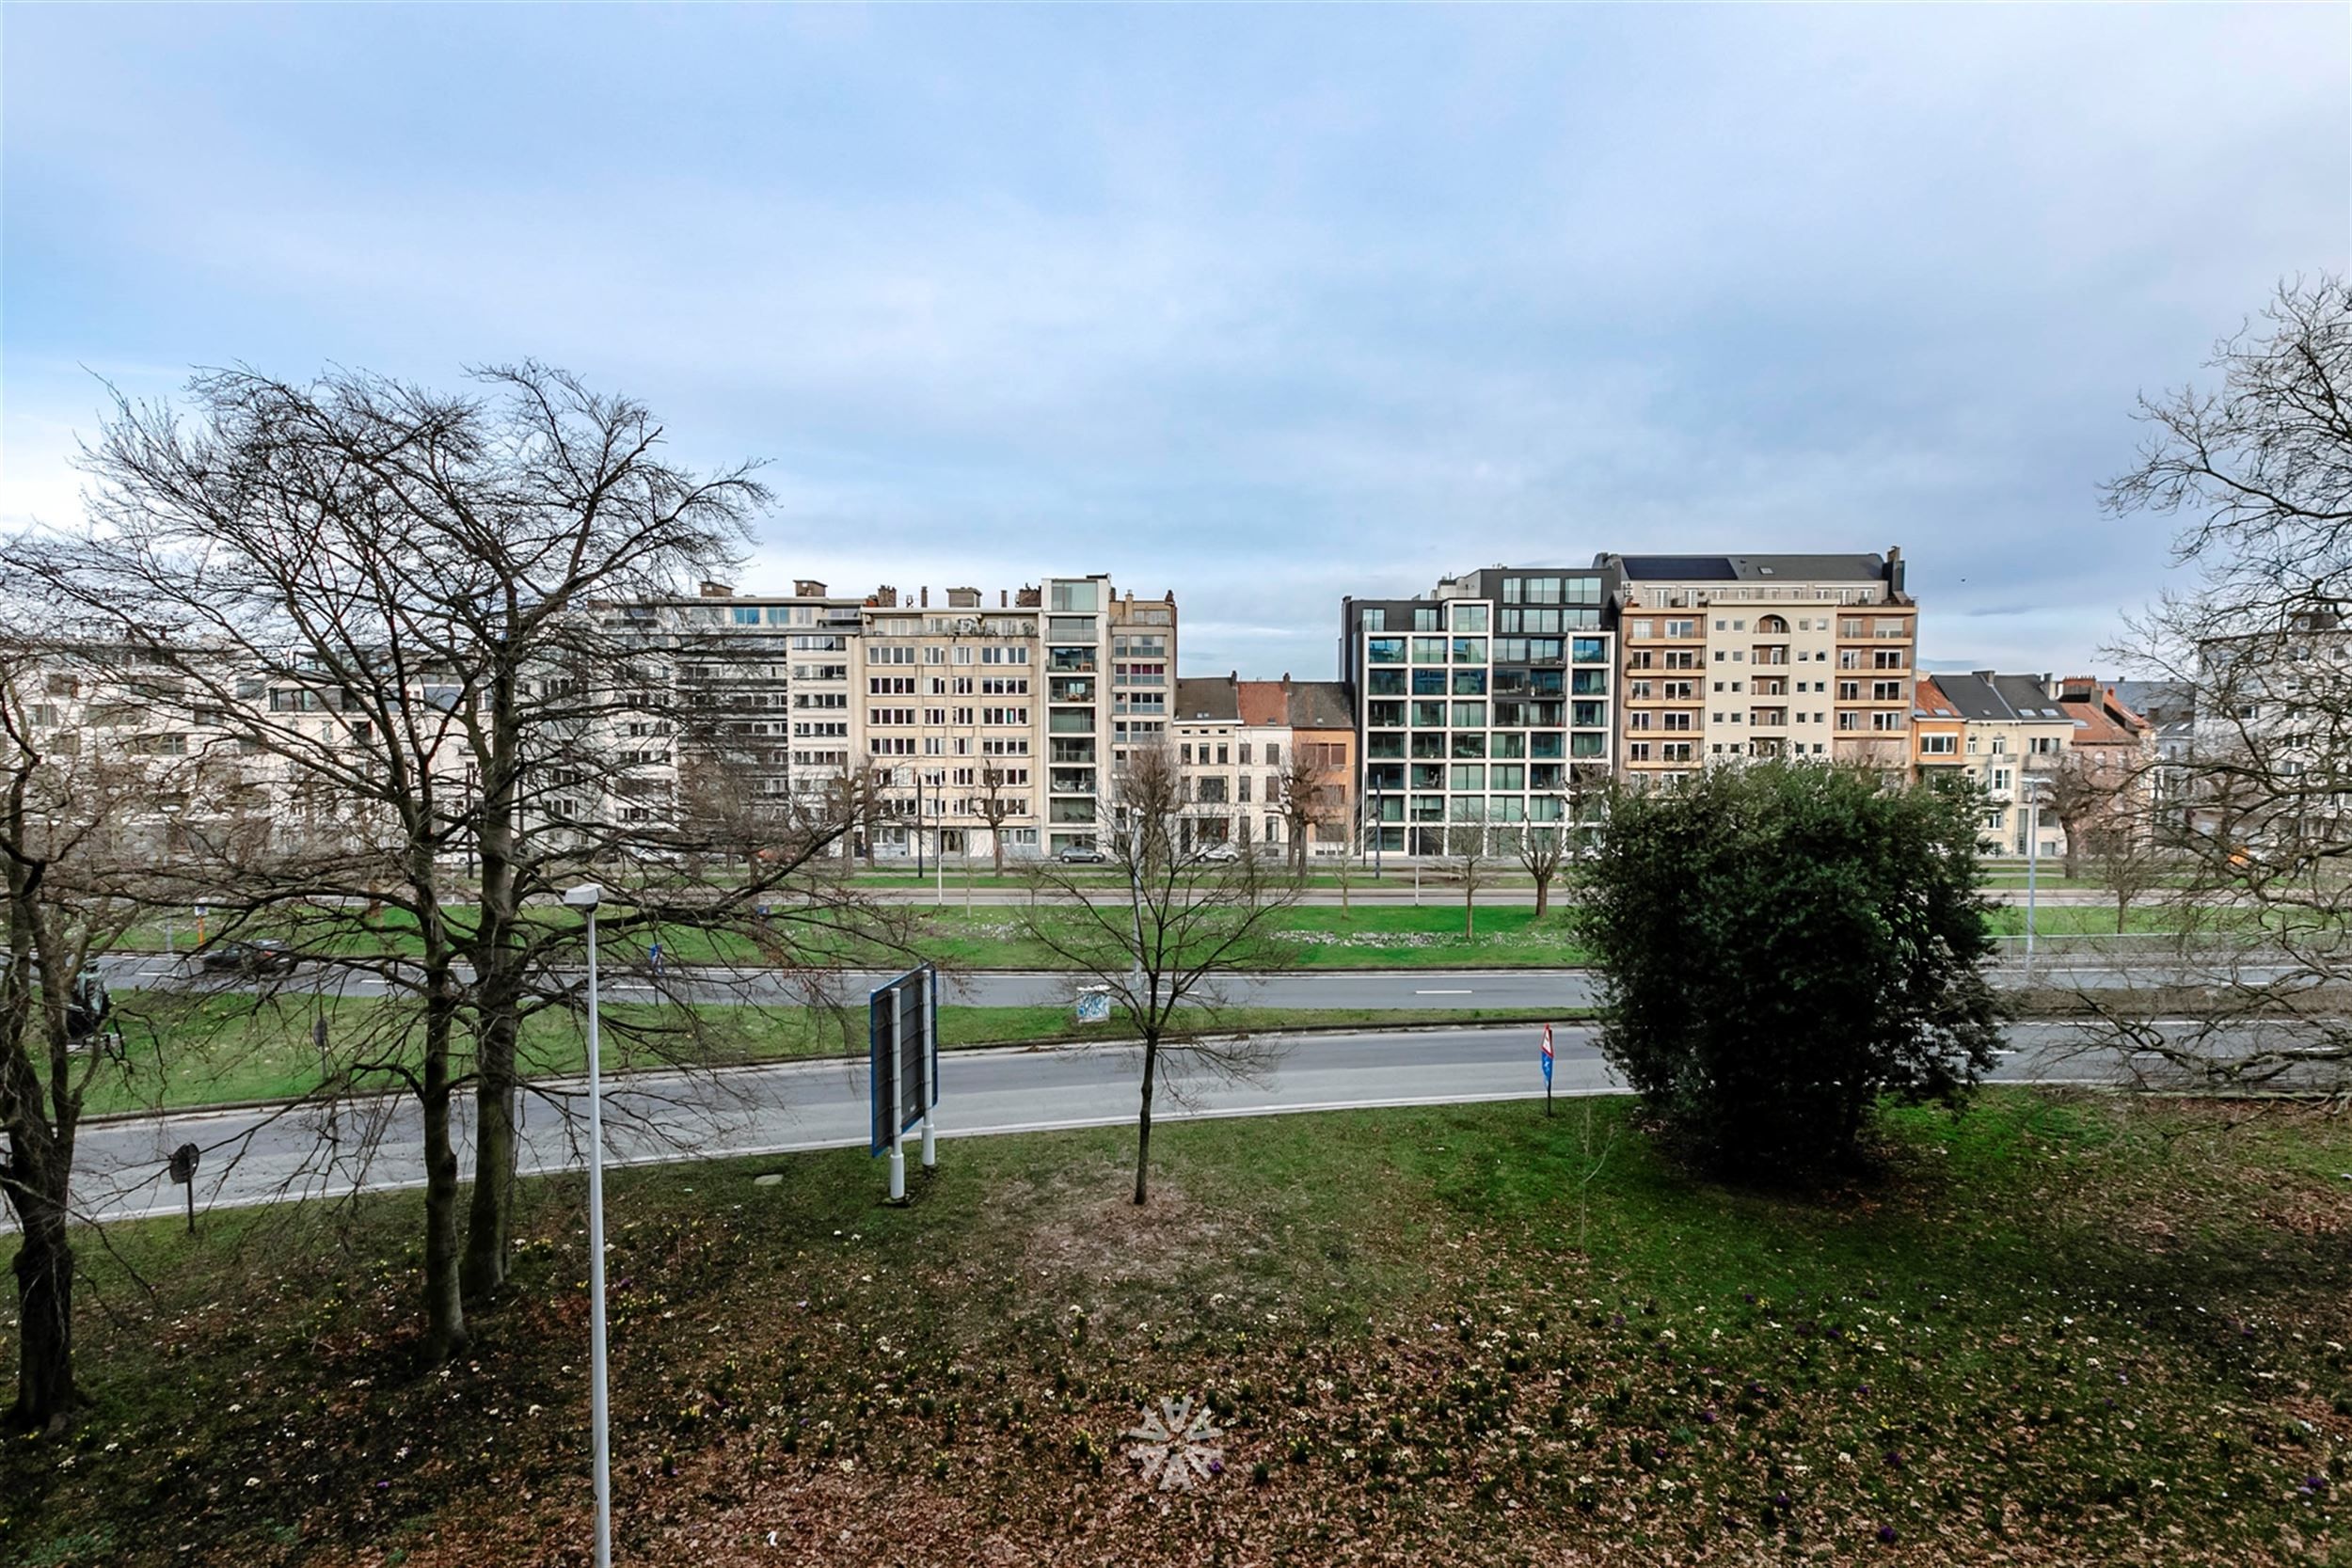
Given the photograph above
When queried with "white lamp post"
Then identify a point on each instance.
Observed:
(583, 898)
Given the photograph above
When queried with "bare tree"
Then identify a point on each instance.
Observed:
(2127, 861)
(2085, 794)
(1542, 848)
(1303, 798)
(2259, 644)
(996, 808)
(1470, 853)
(69, 860)
(408, 608)
(1186, 921)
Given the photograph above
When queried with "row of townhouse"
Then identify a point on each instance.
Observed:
(2012, 735)
(970, 724)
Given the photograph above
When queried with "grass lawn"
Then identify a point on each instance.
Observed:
(2053, 1331)
(216, 1051)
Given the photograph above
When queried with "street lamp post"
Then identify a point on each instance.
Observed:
(2033, 858)
(1379, 826)
(584, 899)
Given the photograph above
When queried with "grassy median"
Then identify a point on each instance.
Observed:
(2053, 1331)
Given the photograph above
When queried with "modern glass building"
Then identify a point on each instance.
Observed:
(1488, 705)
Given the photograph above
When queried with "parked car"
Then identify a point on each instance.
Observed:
(1081, 854)
(1220, 853)
(266, 957)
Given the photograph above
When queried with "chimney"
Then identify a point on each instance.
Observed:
(805, 588)
(963, 598)
(1004, 598)
(1895, 569)
(2079, 688)
(886, 597)
(717, 590)
(925, 601)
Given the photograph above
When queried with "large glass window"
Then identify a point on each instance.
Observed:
(1385, 683)
(1470, 650)
(1470, 716)
(1428, 650)
(1429, 744)
(1429, 683)
(1384, 714)
(1589, 683)
(1469, 775)
(1588, 715)
(1590, 650)
(1374, 619)
(1588, 745)
(1543, 589)
(1429, 716)
(1469, 617)
(1507, 746)
(1385, 650)
(1470, 746)
(1469, 683)
(1508, 775)
(1544, 743)
(1384, 746)
(1080, 597)
(1428, 617)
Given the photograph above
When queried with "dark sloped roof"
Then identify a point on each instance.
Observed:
(1321, 706)
(2028, 698)
(2003, 699)
(1209, 698)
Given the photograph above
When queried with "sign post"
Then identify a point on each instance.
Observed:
(903, 1056)
(1546, 1070)
(930, 1068)
(184, 1161)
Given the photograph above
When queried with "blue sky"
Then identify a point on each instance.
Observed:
(1262, 306)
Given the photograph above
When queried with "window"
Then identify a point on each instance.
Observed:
(1937, 745)
(1274, 754)
(1469, 617)
(1079, 596)
(1682, 628)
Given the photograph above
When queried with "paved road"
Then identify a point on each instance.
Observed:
(256, 1156)
(1488, 990)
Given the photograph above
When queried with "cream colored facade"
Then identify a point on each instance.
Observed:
(1725, 656)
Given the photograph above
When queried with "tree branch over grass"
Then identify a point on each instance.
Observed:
(1182, 925)
(2260, 646)
(403, 619)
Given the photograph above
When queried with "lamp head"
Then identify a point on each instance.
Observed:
(584, 897)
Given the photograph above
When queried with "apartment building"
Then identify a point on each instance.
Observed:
(1762, 656)
(1488, 703)
(979, 722)
(2013, 731)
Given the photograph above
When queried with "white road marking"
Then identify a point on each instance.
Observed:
(1441, 993)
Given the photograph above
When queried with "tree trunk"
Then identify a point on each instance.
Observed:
(446, 1336)
(44, 1298)
(1543, 894)
(489, 1220)
(1143, 1120)
(997, 847)
(1470, 908)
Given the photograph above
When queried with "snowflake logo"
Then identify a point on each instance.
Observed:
(1176, 1445)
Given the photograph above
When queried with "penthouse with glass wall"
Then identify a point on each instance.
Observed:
(1487, 706)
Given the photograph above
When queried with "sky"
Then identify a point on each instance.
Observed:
(1264, 307)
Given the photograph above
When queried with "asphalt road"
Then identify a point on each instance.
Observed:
(1488, 989)
(258, 1156)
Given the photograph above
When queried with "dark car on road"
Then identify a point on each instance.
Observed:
(266, 957)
